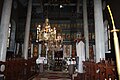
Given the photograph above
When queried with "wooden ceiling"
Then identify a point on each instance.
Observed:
(52, 10)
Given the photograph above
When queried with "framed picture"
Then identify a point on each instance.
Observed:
(35, 50)
(66, 50)
(75, 35)
(68, 36)
(63, 36)
(72, 36)
(79, 35)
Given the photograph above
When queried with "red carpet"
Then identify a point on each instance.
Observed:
(53, 77)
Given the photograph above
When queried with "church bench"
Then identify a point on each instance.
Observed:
(30, 67)
(80, 76)
(19, 69)
(102, 70)
(90, 68)
(2, 69)
(86, 69)
(110, 69)
(13, 70)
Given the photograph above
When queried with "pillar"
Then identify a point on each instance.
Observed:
(78, 5)
(27, 30)
(70, 50)
(46, 55)
(5, 20)
(22, 48)
(99, 30)
(12, 38)
(39, 50)
(31, 50)
(17, 48)
(53, 53)
(85, 22)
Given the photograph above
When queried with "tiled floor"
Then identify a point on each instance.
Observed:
(54, 75)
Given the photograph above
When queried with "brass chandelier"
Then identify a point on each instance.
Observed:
(47, 33)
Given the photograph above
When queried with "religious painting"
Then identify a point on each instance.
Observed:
(33, 36)
(64, 25)
(75, 36)
(78, 25)
(68, 36)
(74, 25)
(66, 50)
(73, 51)
(90, 36)
(63, 36)
(35, 50)
(79, 36)
(93, 36)
(91, 52)
(69, 26)
(72, 37)
(20, 35)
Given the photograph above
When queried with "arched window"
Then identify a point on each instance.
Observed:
(109, 45)
(107, 37)
(9, 33)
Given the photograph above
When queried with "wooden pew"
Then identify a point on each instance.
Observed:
(2, 69)
(19, 69)
(30, 67)
(90, 68)
(86, 68)
(102, 70)
(13, 70)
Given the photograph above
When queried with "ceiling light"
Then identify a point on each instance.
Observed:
(61, 6)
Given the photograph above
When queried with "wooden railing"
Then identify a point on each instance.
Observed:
(2, 69)
(16, 69)
(104, 70)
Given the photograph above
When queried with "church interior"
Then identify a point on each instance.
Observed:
(59, 40)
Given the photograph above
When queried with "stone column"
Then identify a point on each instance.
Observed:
(39, 50)
(31, 50)
(27, 30)
(5, 20)
(22, 48)
(53, 52)
(12, 38)
(46, 56)
(85, 22)
(17, 48)
(70, 50)
(99, 30)
(78, 5)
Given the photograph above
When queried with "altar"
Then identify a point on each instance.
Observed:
(53, 53)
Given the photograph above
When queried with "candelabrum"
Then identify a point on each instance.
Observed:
(47, 33)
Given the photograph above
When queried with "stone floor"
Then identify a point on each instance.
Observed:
(52, 75)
